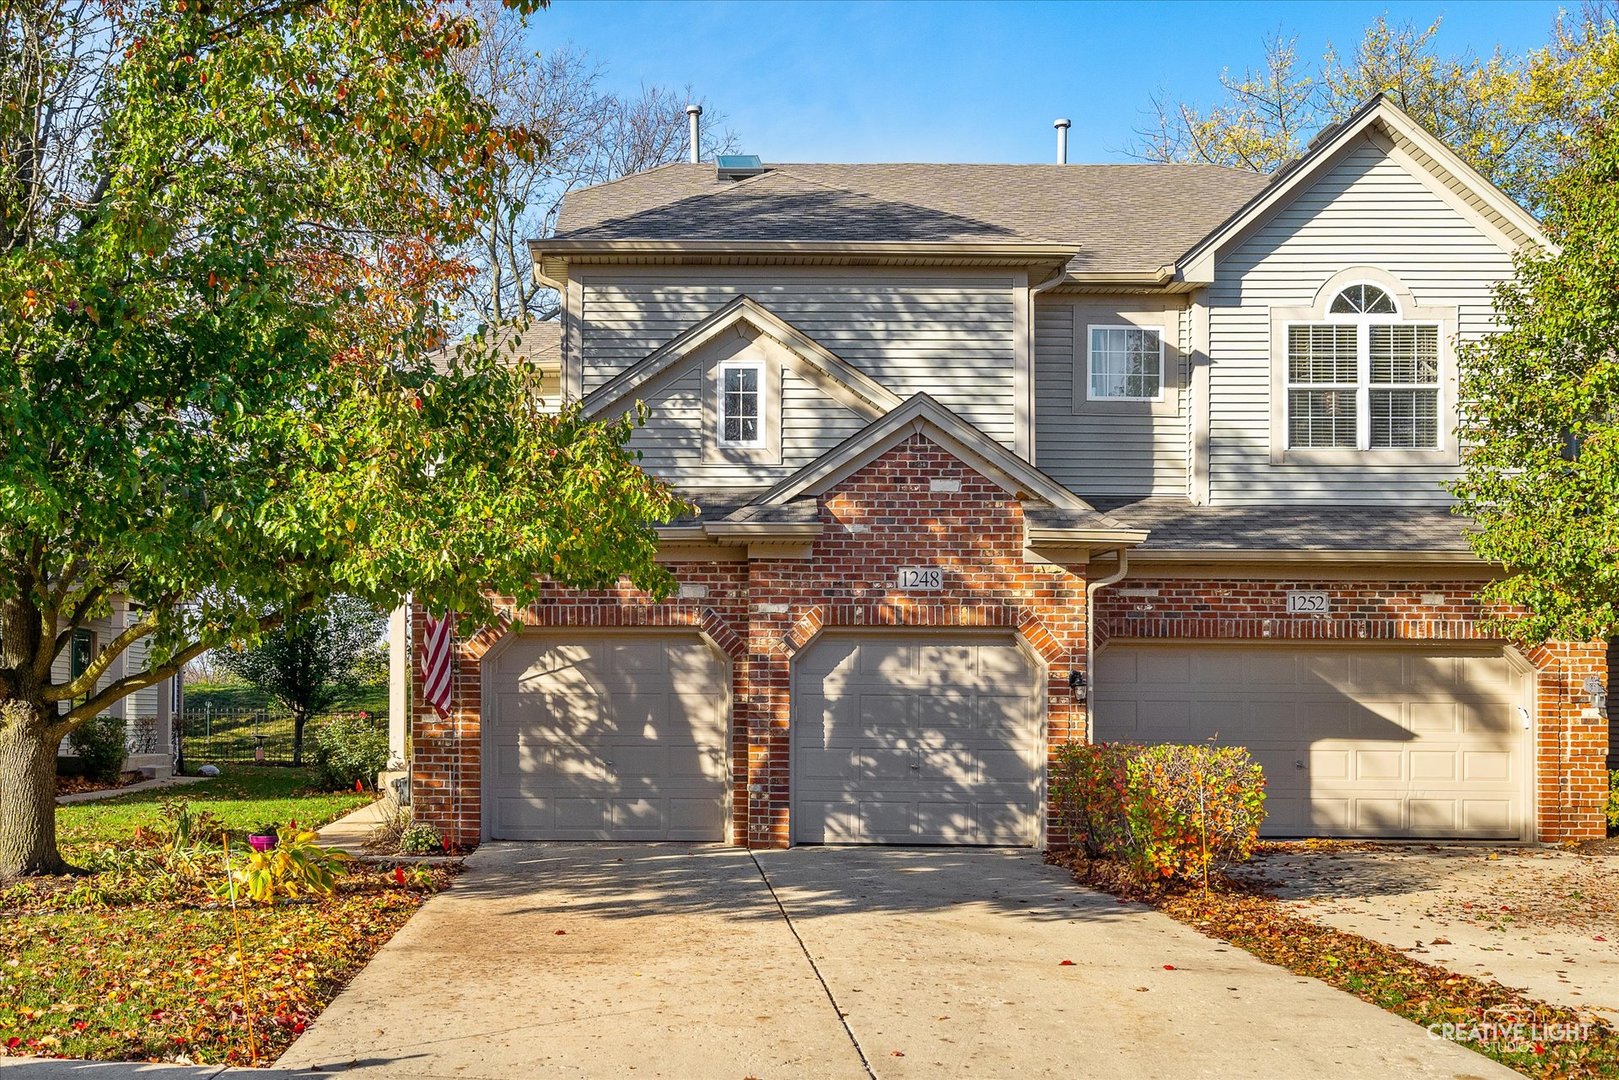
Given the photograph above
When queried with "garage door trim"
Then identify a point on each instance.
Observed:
(1040, 750)
(488, 699)
(1528, 734)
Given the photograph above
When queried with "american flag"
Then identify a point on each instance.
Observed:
(438, 663)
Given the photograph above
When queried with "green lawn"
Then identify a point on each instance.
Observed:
(116, 977)
(233, 695)
(243, 797)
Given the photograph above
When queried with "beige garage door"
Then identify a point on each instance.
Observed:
(1354, 741)
(609, 737)
(900, 738)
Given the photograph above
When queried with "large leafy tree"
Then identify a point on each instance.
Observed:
(1509, 116)
(310, 659)
(223, 238)
(1541, 413)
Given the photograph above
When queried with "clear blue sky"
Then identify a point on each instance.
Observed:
(942, 81)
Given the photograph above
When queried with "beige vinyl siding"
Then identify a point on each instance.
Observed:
(1120, 448)
(1366, 210)
(673, 442)
(952, 335)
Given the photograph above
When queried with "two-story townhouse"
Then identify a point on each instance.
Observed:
(993, 458)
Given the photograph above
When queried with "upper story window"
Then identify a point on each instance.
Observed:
(741, 404)
(1126, 364)
(1363, 379)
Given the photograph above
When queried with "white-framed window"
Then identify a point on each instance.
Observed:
(1125, 363)
(741, 404)
(1363, 379)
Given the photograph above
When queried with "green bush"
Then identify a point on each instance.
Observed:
(1613, 801)
(349, 749)
(420, 838)
(98, 744)
(1167, 811)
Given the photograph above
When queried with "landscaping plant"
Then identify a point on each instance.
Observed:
(349, 749)
(297, 866)
(1613, 801)
(421, 839)
(98, 745)
(1164, 811)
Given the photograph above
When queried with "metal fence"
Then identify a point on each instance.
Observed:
(220, 735)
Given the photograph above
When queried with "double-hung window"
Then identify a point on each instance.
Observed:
(1126, 364)
(741, 404)
(1363, 379)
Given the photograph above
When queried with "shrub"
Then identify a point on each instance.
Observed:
(347, 749)
(294, 867)
(390, 830)
(420, 839)
(98, 744)
(1167, 811)
(1613, 801)
(180, 828)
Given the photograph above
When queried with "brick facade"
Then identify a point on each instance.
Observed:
(763, 611)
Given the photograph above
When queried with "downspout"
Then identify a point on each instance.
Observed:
(1091, 589)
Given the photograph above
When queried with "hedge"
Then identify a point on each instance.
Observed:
(1168, 811)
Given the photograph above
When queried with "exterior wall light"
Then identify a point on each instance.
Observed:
(1598, 692)
(1076, 683)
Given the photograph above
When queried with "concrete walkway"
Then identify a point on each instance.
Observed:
(132, 789)
(695, 961)
(349, 832)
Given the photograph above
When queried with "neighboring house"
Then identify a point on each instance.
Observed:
(995, 458)
(148, 714)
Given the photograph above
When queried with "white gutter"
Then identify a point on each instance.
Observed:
(1091, 589)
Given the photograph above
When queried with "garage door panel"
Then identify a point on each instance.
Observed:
(1398, 741)
(1166, 669)
(1431, 765)
(1433, 816)
(945, 723)
(1209, 669)
(608, 737)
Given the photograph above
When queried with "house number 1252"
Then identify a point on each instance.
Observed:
(921, 578)
(1307, 603)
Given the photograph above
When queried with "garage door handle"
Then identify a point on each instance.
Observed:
(1298, 764)
(916, 765)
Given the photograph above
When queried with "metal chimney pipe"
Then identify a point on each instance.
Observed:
(1062, 126)
(695, 112)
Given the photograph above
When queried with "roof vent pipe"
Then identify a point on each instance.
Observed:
(1062, 126)
(694, 113)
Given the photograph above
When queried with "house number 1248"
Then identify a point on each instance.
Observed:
(921, 578)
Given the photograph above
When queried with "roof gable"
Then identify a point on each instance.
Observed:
(1396, 134)
(922, 414)
(832, 374)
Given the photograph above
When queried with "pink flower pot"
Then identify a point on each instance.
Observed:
(261, 843)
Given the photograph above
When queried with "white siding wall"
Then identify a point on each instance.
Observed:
(1123, 448)
(1366, 211)
(949, 334)
(674, 444)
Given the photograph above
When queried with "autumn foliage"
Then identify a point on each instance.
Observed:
(1165, 811)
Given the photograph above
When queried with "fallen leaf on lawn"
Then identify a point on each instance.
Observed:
(1169, 967)
(1066, 963)
(1440, 941)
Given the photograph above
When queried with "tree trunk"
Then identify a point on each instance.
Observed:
(27, 793)
(298, 718)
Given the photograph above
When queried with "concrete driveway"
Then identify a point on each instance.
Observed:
(706, 962)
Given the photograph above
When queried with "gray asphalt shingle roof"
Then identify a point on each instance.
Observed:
(1174, 524)
(1121, 218)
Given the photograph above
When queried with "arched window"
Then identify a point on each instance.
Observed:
(1363, 299)
(1362, 378)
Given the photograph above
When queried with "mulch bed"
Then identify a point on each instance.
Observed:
(1607, 846)
(160, 981)
(79, 785)
(1530, 1036)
